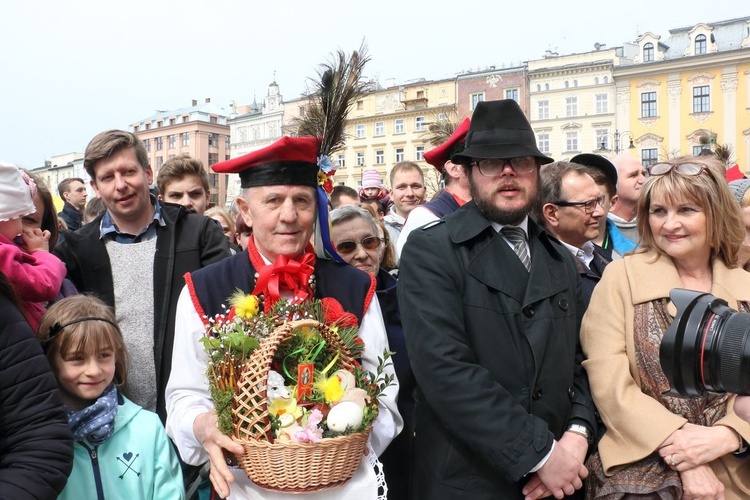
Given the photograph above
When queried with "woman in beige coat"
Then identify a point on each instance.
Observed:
(656, 446)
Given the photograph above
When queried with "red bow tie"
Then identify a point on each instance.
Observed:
(285, 274)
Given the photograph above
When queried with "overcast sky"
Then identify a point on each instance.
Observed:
(72, 68)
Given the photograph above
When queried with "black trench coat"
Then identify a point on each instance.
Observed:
(495, 353)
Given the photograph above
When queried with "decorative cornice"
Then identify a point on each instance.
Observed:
(543, 129)
(571, 125)
(696, 135)
(700, 78)
(701, 117)
(648, 122)
(648, 85)
(649, 140)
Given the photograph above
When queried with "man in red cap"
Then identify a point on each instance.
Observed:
(281, 199)
(456, 191)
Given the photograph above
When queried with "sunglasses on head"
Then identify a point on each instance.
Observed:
(369, 243)
(682, 168)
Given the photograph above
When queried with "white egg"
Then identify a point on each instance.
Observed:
(343, 415)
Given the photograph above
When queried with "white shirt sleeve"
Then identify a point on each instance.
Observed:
(389, 422)
(417, 218)
(187, 394)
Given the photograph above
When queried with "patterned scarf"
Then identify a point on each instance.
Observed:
(95, 423)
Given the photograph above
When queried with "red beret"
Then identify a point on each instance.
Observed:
(439, 155)
(291, 161)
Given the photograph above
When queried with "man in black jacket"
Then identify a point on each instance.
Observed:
(135, 238)
(491, 319)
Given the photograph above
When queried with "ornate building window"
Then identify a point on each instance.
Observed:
(700, 45)
(648, 52)
(701, 99)
(648, 105)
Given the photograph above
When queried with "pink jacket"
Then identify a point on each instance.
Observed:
(36, 277)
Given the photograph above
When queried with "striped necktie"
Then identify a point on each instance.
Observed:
(517, 237)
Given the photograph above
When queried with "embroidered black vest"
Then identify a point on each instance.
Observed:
(212, 285)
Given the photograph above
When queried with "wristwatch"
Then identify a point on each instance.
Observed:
(580, 429)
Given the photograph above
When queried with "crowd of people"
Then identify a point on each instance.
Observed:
(525, 304)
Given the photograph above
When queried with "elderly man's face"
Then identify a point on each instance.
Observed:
(282, 218)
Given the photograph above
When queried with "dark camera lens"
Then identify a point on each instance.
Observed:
(706, 349)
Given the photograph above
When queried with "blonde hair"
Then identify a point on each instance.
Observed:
(725, 228)
(85, 336)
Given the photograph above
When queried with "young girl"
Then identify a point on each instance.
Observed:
(36, 274)
(121, 450)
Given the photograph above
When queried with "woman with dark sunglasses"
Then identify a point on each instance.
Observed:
(360, 242)
(655, 445)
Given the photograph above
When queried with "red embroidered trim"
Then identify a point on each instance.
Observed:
(194, 298)
(370, 293)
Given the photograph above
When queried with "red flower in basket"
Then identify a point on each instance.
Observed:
(334, 314)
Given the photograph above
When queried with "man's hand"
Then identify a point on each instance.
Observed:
(700, 483)
(694, 445)
(208, 434)
(561, 475)
(35, 240)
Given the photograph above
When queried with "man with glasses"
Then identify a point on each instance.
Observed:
(491, 307)
(571, 208)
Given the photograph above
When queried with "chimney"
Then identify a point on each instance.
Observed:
(208, 99)
(195, 102)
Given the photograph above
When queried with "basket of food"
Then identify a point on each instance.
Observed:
(299, 401)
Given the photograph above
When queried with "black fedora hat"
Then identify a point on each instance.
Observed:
(598, 162)
(499, 129)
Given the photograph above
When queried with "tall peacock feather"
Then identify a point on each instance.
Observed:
(340, 85)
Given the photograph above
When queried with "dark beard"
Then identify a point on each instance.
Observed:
(493, 213)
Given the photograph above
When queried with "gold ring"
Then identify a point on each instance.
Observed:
(671, 460)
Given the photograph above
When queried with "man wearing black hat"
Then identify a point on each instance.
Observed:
(281, 202)
(491, 318)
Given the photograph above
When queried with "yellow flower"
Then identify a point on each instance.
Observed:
(330, 388)
(245, 306)
(284, 406)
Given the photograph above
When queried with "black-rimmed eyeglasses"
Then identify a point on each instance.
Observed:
(492, 167)
(588, 206)
(682, 168)
(369, 243)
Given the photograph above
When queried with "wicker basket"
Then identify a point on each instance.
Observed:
(290, 467)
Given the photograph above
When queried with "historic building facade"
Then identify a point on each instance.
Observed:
(688, 92)
(254, 127)
(199, 130)
(572, 101)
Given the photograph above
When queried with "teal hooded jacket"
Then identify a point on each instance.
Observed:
(136, 462)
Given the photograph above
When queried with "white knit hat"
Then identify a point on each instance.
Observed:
(15, 196)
